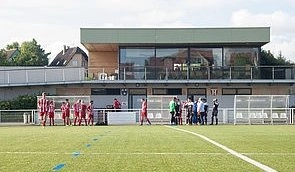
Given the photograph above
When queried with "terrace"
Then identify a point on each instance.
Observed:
(19, 76)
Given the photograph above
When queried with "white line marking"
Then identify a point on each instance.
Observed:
(148, 153)
(275, 154)
(243, 157)
(120, 153)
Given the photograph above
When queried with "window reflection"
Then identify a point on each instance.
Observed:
(203, 61)
(187, 63)
(242, 60)
(134, 61)
(171, 62)
(241, 56)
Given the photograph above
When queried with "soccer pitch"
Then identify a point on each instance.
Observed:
(147, 148)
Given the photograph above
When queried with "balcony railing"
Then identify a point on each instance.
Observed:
(39, 75)
(197, 73)
(10, 76)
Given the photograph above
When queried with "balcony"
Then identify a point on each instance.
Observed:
(216, 73)
(18, 76)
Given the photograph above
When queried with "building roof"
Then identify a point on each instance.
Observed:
(66, 55)
(102, 38)
(11, 53)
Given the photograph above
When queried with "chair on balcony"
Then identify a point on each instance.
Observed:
(102, 76)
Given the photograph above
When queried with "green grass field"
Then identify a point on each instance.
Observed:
(145, 148)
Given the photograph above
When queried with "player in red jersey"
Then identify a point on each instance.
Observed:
(116, 104)
(51, 109)
(43, 108)
(90, 111)
(76, 108)
(67, 112)
(83, 113)
(144, 111)
(63, 112)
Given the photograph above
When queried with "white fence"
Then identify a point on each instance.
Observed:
(162, 116)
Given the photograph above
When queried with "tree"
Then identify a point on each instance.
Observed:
(268, 59)
(2, 56)
(3, 59)
(31, 54)
(282, 60)
(12, 46)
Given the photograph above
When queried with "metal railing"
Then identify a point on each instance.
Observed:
(193, 73)
(39, 75)
(10, 76)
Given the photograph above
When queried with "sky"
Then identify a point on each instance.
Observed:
(55, 23)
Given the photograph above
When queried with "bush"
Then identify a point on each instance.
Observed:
(21, 102)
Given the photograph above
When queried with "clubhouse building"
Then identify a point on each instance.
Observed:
(131, 63)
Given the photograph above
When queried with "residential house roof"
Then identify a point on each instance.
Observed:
(10, 54)
(66, 55)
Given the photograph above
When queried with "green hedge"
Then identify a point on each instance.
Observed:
(21, 102)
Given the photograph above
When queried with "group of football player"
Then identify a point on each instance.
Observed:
(82, 111)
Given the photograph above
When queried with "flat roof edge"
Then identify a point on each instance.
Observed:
(170, 28)
(175, 35)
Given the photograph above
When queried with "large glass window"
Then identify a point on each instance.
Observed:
(135, 60)
(241, 61)
(187, 63)
(203, 61)
(241, 56)
(171, 63)
(236, 91)
(105, 91)
(167, 91)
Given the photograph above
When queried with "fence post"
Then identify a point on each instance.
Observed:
(230, 72)
(291, 116)
(251, 71)
(27, 77)
(224, 115)
(32, 117)
(26, 116)
(166, 76)
(63, 74)
(144, 73)
(273, 73)
(208, 72)
(45, 75)
(124, 74)
(8, 77)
